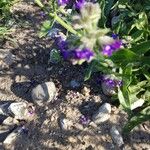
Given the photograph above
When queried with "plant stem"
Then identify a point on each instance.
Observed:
(59, 20)
(63, 23)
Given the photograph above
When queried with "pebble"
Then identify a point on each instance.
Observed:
(74, 84)
(86, 91)
(116, 136)
(103, 114)
(79, 126)
(18, 110)
(8, 121)
(9, 59)
(44, 93)
(11, 139)
(5, 130)
(6, 57)
(72, 139)
(92, 124)
(65, 124)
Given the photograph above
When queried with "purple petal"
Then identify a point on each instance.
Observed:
(63, 2)
(79, 4)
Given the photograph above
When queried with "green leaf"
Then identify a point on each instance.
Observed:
(141, 48)
(102, 21)
(143, 116)
(89, 71)
(47, 24)
(109, 4)
(127, 76)
(136, 36)
(45, 28)
(138, 87)
(146, 74)
(124, 99)
(55, 56)
(124, 56)
(145, 61)
(147, 95)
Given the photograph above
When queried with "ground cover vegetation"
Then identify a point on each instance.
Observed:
(112, 37)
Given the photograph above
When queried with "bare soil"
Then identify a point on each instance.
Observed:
(31, 67)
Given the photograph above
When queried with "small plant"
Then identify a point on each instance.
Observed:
(113, 38)
(5, 14)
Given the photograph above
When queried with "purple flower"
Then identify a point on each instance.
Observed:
(42, 14)
(84, 120)
(79, 4)
(63, 2)
(85, 53)
(67, 54)
(109, 49)
(61, 43)
(114, 36)
(111, 82)
(116, 45)
(63, 47)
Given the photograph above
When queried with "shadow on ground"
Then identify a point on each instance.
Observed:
(31, 67)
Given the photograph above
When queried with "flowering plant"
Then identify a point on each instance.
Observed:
(125, 60)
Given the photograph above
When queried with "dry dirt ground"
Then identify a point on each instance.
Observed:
(30, 67)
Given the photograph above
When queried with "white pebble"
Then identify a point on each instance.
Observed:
(103, 113)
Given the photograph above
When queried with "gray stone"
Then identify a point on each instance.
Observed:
(13, 138)
(65, 124)
(18, 110)
(8, 121)
(5, 130)
(116, 136)
(74, 84)
(103, 114)
(44, 93)
(6, 58)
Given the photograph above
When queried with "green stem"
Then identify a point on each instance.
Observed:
(59, 20)
(64, 24)
(39, 3)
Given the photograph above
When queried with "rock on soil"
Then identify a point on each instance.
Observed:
(6, 58)
(18, 110)
(44, 93)
(102, 114)
(31, 65)
(10, 142)
(116, 136)
(74, 84)
(65, 124)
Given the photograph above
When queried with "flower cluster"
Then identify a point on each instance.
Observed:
(110, 48)
(78, 3)
(85, 53)
(76, 55)
(111, 82)
(63, 2)
(114, 36)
